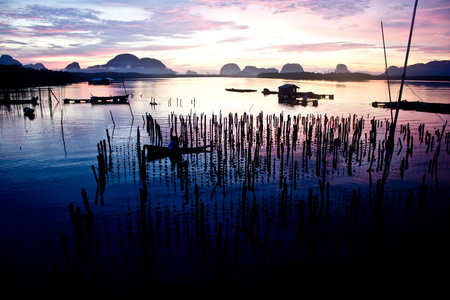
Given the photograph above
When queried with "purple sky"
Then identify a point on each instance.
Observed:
(203, 35)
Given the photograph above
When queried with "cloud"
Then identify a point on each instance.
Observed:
(328, 9)
(43, 12)
(233, 40)
(40, 20)
(180, 20)
(12, 42)
(324, 47)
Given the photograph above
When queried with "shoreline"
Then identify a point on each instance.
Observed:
(20, 77)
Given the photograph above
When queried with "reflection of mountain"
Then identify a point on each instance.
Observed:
(130, 63)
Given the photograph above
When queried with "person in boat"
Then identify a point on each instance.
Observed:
(174, 143)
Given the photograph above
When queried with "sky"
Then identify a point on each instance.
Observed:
(204, 35)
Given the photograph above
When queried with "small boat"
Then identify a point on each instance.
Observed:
(266, 91)
(101, 81)
(157, 152)
(240, 90)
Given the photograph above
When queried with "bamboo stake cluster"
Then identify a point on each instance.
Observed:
(262, 206)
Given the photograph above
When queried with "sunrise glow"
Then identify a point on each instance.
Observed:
(203, 35)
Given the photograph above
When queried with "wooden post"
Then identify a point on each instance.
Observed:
(86, 203)
(67, 259)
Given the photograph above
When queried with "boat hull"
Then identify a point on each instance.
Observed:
(153, 152)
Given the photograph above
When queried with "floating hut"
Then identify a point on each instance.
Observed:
(288, 93)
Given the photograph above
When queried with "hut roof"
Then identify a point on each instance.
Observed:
(287, 85)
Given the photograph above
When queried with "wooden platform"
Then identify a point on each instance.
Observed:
(439, 108)
(67, 101)
(302, 102)
(33, 101)
(100, 100)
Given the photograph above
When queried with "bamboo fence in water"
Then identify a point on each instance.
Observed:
(279, 201)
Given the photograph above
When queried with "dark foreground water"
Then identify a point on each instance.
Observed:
(286, 201)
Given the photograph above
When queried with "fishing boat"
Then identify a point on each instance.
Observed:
(154, 152)
(121, 99)
(266, 91)
(240, 90)
(101, 81)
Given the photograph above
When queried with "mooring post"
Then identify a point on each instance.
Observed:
(86, 203)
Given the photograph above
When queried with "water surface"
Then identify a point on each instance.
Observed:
(46, 162)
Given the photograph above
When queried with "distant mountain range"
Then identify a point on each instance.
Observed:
(128, 63)
(433, 68)
(232, 69)
(9, 61)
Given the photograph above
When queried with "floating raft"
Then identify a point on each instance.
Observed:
(33, 100)
(440, 108)
(302, 102)
(311, 95)
(100, 100)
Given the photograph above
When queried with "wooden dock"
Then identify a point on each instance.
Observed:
(439, 108)
(123, 99)
(26, 96)
(68, 101)
(6, 101)
(302, 102)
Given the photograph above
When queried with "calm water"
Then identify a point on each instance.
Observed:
(46, 162)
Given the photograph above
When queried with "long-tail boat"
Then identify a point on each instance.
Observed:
(154, 152)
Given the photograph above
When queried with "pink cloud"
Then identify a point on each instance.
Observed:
(324, 47)
(179, 20)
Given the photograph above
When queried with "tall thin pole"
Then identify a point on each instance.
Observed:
(390, 146)
(123, 83)
(387, 72)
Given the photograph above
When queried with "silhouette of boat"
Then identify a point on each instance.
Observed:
(154, 152)
(122, 99)
(266, 91)
(101, 81)
(240, 90)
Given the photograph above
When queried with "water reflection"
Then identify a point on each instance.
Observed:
(260, 210)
